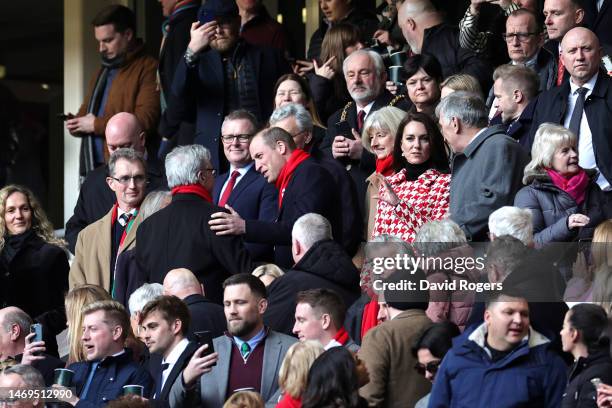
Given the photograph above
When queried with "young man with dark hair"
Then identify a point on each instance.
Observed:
(247, 356)
(319, 315)
(164, 325)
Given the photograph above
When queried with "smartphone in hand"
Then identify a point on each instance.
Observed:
(205, 337)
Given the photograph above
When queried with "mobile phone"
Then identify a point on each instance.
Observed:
(205, 337)
(344, 129)
(206, 17)
(36, 328)
(64, 116)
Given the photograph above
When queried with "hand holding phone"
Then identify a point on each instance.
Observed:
(205, 337)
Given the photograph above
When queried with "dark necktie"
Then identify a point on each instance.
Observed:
(160, 378)
(228, 189)
(245, 350)
(360, 118)
(124, 219)
(576, 118)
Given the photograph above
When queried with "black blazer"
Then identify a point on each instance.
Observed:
(96, 198)
(254, 199)
(178, 236)
(205, 315)
(599, 21)
(163, 400)
(311, 189)
(552, 105)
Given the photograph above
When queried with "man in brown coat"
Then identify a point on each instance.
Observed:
(100, 243)
(386, 349)
(126, 82)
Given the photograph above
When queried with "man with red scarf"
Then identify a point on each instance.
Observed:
(178, 236)
(303, 187)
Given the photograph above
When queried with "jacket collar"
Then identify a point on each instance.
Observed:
(476, 340)
(478, 140)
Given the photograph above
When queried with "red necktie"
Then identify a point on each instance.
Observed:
(229, 188)
(560, 71)
(360, 118)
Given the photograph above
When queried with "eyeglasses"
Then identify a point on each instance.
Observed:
(522, 37)
(139, 179)
(431, 367)
(243, 138)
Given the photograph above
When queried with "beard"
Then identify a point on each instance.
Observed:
(241, 327)
(364, 96)
(224, 45)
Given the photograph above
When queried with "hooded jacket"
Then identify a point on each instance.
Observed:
(530, 376)
(550, 207)
(325, 265)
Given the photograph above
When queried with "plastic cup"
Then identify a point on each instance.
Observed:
(133, 389)
(63, 377)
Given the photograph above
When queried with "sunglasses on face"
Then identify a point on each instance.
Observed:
(431, 367)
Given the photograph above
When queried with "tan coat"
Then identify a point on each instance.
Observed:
(371, 204)
(91, 262)
(386, 352)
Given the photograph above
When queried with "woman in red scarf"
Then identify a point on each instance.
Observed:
(378, 137)
(565, 199)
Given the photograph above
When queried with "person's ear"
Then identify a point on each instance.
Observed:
(281, 147)
(117, 332)
(579, 16)
(518, 96)
(297, 247)
(177, 326)
(456, 124)
(129, 34)
(487, 316)
(15, 332)
(111, 183)
(325, 321)
(308, 138)
(262, 305)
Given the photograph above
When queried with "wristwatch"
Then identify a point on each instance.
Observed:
(191, 58)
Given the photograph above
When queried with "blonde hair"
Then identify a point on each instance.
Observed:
(268, 270)
(548, 139)
(114, 315)
(387, 119)
(602, 258)
(244, 399)
(75, 302)
(40, 223)
(462, 82)
(293, 374)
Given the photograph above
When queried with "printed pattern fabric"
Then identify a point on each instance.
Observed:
(422, 200)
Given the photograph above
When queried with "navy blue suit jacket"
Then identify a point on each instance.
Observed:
(254, 199)
(311, 190)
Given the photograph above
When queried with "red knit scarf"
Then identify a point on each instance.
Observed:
(296, 158)
(369, 318)
(385, 166)
(342, 336)
(196, 189)
(575, 185)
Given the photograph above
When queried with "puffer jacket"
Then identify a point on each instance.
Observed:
(532, 375)
(550, 207)
(580, 393)
(453, 305)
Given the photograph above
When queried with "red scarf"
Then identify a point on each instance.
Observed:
(342, 336)
(369, 318)
(296, 158)
(575, 185)
(126, 229)
(196, 189)
(385, 166)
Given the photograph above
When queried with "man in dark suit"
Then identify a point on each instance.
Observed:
(178, 236)
(487, 165)
(242, 189)
(205, 315)
(248, 356)
(365, 76)
(319, 263)
(296, 120)
(598, 18)
(96, 198)
(304, 186)
(582, 104)
(164, 322)
(219, 74)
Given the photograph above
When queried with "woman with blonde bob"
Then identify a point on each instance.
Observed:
(460, 82)
(602, 264)
(564, 199)
(293, 373)
(267, 273)
(33, 262)
(378, 137)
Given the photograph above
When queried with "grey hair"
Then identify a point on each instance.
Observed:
(468, 107)
(268, 270)
(395, 244)
(29, 375)
(513, 221)
(144, 295)
(375, 57)
(548, 139)
(311, 228)
(387, 118)
(302, 117)
(184, 163)
(437, 236)
(18, 317)
(125, 153)
(153, 203)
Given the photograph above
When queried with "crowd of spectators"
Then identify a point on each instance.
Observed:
(236, 203)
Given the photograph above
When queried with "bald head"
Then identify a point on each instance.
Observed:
(581, 54)
(413, 17)
(14, 327)
(181, 283)
(124, 130)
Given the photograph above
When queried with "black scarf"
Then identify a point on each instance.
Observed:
(12, 245)
(414, 171)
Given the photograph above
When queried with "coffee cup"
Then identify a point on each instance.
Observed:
(63, 377)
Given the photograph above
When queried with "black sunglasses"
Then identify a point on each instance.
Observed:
(431, 367)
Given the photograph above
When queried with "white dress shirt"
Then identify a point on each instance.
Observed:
(172, 359)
